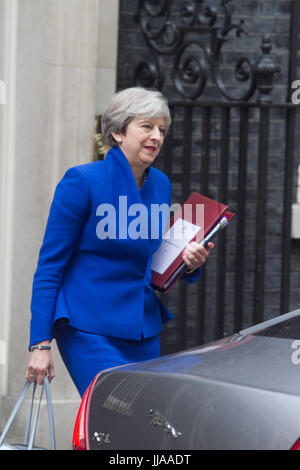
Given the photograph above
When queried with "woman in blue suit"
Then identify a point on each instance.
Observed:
(92, 286)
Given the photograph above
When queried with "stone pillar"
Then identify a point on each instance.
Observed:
(56, 53)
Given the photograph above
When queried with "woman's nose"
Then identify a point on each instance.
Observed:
(156, 134)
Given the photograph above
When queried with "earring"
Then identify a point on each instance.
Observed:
(117, 138)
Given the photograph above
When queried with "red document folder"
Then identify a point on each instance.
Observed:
(200, 218)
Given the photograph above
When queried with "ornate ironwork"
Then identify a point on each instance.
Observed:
(100, 146)
(196, 60)
(265, 70)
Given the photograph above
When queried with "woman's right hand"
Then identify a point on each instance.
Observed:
(40, 365)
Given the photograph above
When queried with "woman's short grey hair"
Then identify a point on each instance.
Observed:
(130, 103)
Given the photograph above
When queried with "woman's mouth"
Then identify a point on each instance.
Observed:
(150, 148)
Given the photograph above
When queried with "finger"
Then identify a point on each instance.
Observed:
(192, 247)
(37, 374)
(196, 249)
(189, 263)
(201, 248)
(191, 254)
(30, 374)
(194, 261)
(40, 377)
(51, 374)
(209, 246)
(189, 257)
(195, 253)
(202, 251)
(31, 378)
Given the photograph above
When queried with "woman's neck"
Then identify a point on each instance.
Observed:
(139, 175)
(139, 171)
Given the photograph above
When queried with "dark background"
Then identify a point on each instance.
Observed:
(242, 152)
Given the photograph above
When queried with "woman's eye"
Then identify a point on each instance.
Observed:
(149, 127)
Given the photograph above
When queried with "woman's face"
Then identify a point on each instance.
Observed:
(142, 140)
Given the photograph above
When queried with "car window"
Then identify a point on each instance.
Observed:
(287, 329)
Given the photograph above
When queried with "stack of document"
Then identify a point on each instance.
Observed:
(199, 219)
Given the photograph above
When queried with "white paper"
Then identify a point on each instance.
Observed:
(174, 241)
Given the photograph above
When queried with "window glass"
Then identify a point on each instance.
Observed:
(286, 329)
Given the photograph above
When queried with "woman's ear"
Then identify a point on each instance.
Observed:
(117, 136)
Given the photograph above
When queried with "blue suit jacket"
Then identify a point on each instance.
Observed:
(98, 285)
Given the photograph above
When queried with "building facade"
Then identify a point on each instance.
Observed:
(58, 62)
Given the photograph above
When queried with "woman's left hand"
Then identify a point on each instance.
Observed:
(195, 254)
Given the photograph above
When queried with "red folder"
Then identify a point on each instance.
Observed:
(212, 215)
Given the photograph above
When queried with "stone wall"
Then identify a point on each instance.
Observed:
(58, 59)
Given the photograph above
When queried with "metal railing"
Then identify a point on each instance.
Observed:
(237, 172)
(229, 141)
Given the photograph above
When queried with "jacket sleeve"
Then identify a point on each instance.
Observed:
(67, 216)
(193, 276)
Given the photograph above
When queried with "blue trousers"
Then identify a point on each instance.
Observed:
(86, 354)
